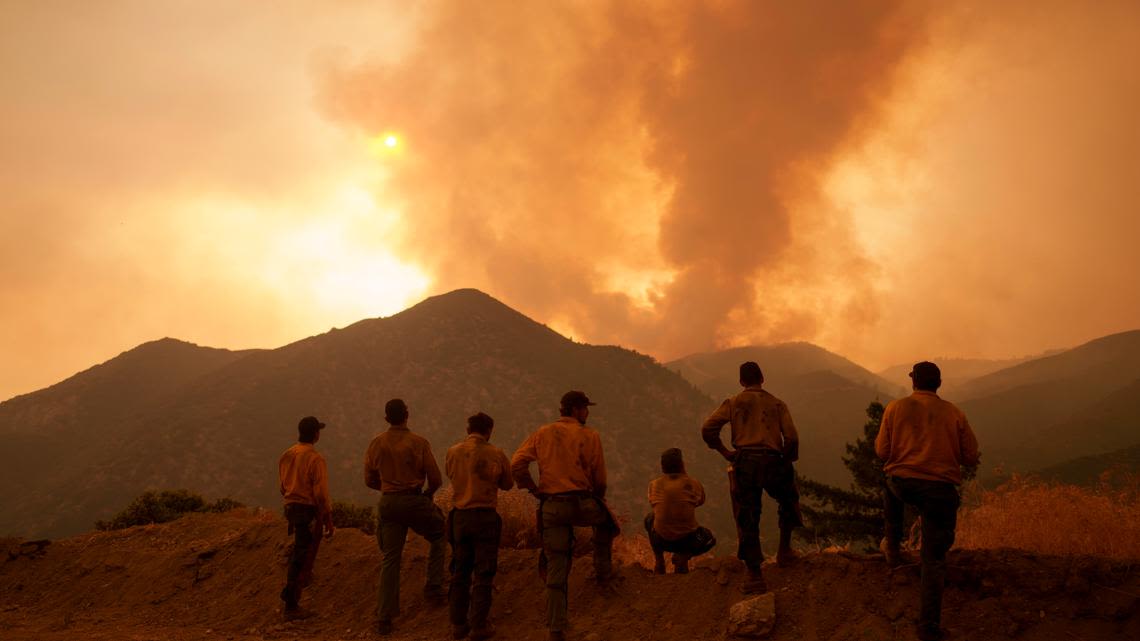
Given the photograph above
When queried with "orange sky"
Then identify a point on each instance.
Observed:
(888, 181)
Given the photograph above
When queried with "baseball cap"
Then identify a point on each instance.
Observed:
(574, 398)
(926, 372)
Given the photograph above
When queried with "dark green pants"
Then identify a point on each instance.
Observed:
(560, 514)
(306, 540)
(937, 504)
(758, 472)
(398, 513)
(474, 536)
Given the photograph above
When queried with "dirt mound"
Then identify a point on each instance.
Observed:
(211, 576)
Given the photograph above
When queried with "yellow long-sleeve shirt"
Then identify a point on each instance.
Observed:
(758, 420)
(303, 477)
(925, 437)
(477, 470)
(569, 457)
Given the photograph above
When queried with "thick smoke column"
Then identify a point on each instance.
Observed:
(640, 174)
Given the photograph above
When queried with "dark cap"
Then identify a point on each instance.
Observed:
(310, 423)
(574, 398)
(926, 373)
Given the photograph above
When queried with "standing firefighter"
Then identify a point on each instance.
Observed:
(924, 441)
(397, 463)
(572, 489)
(304, 483)
(766, 445)
(477, 470)
(672, 525)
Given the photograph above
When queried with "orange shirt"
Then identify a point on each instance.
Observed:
(569, 457)
(398, 461)
(675, 498)
(759, 420)
(478, 470)
(925, 437)
(304, 478)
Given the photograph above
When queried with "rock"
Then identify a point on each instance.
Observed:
(722, 575)
(753, 618)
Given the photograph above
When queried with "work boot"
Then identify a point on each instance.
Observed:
(297, 613)
(680, 564)
(485, 631)
(460, 631)
(755, 584)
(659, 563)
(383, 628)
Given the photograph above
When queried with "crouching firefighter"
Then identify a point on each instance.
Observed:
(571, 491)
(765, 445)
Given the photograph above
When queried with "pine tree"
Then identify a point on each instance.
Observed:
(853, 515)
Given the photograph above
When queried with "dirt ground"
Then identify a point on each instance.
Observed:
(212, 576)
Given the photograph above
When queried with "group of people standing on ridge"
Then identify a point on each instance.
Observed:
(923, 440)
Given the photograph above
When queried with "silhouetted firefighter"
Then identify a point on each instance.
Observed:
(304, 483)
(398, 463)
(924, 441)
(571, 491)
(477, 470)
(765, 446)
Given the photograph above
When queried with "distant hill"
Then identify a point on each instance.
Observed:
(1087, 470)
(1080, 402)
(956, 372)
(174, 415)
(826, 393)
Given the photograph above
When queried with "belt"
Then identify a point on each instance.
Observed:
(411, 492)
(760, 451)
(569, 496)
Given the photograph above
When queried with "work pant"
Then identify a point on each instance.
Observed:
(306, 531)
(759, 471)
(937, 503)
(397, 513)
(694, 543)
(560, 514)
(474, 534)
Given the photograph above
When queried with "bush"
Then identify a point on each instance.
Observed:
(164, 506)
(348, 515)
(1051, 518)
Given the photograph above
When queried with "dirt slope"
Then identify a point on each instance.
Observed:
(217, 577)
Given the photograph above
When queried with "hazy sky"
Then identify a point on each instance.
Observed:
(890, 181)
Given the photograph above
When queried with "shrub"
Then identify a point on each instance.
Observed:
(160, 507)
(348, 515)
(1050, 518)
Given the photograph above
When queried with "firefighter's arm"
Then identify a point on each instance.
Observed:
(883, 440)
(791, 437)
(710, 431)
(506, 482)
(371, 471)
(431, 470)
(520, 465)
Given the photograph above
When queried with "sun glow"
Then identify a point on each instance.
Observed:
(384, 144)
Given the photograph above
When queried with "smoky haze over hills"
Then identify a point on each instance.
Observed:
(168, 414)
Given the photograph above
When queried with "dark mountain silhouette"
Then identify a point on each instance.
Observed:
(1081, 402)
(173, 415)
(1092, 470)
(956, 372)
(826, 393)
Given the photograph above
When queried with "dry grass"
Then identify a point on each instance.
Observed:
(1050, 518)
